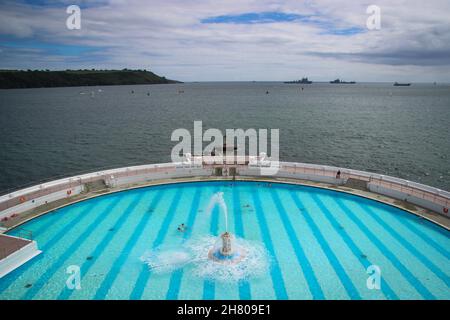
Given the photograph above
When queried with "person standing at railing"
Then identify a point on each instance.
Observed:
(338, 174)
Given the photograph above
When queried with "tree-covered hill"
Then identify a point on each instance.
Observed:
(69, 78)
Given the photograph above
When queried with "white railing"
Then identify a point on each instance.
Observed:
(25, 199)
(422, 195)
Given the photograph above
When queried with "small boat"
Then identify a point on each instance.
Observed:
(396, 84)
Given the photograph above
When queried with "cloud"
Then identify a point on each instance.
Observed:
(400, 57)
(233, 40)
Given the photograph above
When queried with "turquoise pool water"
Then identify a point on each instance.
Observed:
(320, 244)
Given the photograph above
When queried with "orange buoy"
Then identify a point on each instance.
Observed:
(445, 210)
(22, 199)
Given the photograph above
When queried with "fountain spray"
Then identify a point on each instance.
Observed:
(217, 198)
(224, 252)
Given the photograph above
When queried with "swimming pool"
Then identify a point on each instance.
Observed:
(320, 244)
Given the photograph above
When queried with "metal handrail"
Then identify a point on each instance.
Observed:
(61, 176)
(428, 193)
(376, 179)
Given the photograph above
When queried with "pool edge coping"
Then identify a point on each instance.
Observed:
(320, 185)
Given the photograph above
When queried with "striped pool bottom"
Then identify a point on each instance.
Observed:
(322, 244)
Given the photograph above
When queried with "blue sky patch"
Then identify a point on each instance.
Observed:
(254, 17)
(344, 31)
(83, 4)
(327, 26)
(52, 48)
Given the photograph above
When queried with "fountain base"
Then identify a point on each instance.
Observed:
(217, 256)
(226, 254)
(201, 257)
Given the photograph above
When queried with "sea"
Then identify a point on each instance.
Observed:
(48, 133)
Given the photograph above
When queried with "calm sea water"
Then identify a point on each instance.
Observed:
(400, 131)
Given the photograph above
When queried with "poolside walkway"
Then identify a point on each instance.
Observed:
(353, 189)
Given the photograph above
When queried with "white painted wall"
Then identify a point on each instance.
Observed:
(140, 174)
(31, 204)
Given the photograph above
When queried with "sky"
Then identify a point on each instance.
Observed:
(228, 40)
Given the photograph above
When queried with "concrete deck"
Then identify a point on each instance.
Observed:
(14, 252)
(9, 245)
(424, 213)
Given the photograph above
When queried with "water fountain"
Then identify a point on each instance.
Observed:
(224, 258)
(224, 250)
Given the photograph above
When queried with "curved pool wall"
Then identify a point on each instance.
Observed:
(424, 196)
(321, 244)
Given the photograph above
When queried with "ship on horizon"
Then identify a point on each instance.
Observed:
(338, 81)
(397, 84)
(302, 81)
